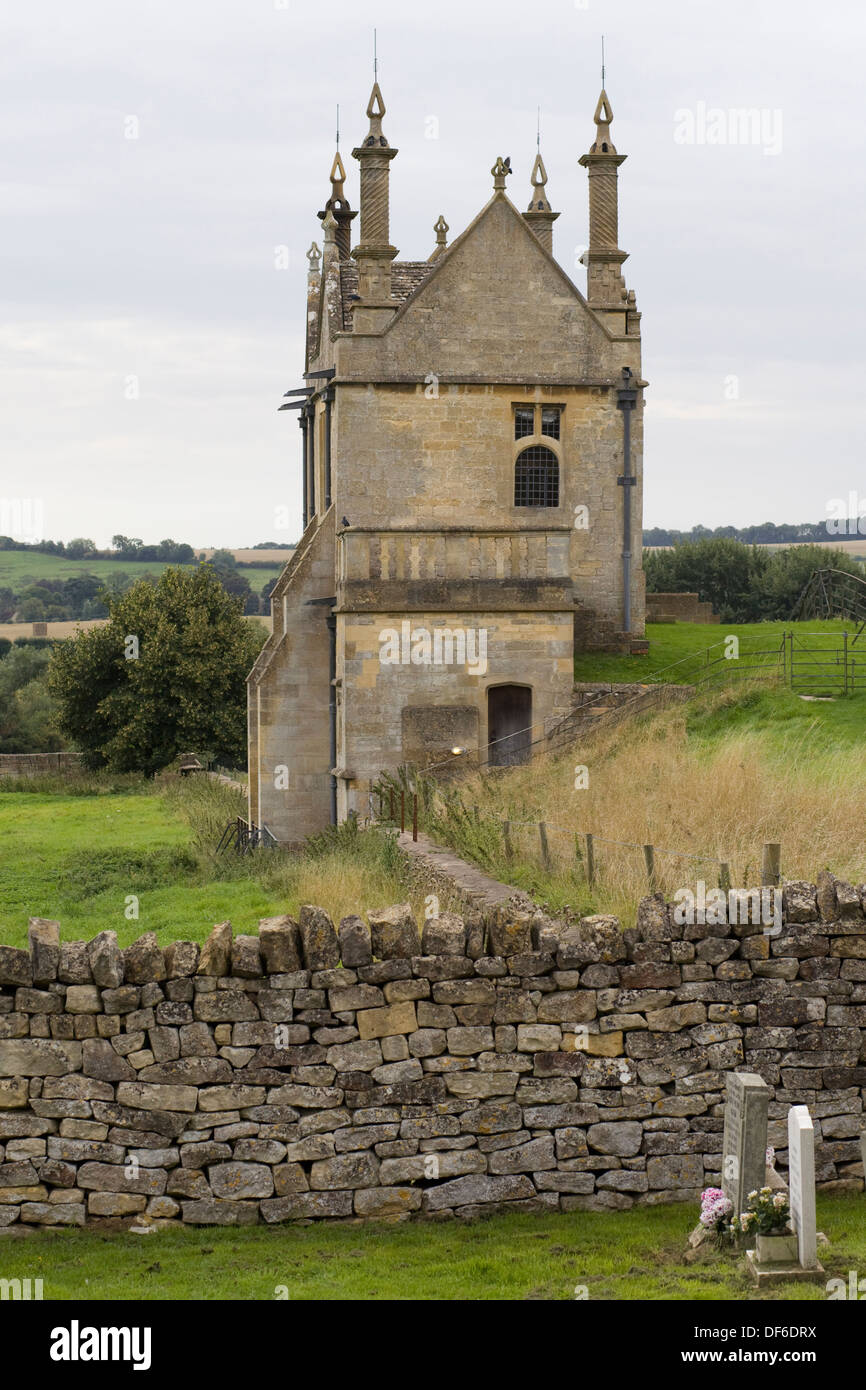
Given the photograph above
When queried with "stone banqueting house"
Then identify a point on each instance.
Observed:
(375, 1071)
(456, 412)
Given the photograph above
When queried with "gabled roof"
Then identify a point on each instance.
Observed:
(406, 278)
(441, 261)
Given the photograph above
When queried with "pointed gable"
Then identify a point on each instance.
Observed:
(495, 307)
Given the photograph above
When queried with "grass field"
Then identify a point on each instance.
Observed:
(20, 567)
(674, 647)
(78, 859)
(636, 1255)
(705, 782)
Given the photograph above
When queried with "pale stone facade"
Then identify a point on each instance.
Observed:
(466, 483)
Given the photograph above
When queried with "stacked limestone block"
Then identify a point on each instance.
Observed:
(375, 1071)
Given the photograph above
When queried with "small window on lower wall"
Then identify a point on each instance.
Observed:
(536, 478)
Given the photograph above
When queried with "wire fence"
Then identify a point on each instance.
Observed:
(805, 661)
(510, 840)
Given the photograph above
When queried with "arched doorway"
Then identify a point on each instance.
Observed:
(509, 717)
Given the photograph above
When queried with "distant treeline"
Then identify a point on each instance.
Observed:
(767, 533)
(132, 548)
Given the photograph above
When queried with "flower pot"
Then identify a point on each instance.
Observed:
(777, 1249)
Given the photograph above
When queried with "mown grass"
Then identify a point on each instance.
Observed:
(81, 857)
(634, 1255)
(706, 782)
(676, 648)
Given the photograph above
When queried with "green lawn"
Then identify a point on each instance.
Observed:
(674, 645)
(78, 857)
(634, 1255)
(20, 567)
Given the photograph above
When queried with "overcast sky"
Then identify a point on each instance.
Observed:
(147, 334)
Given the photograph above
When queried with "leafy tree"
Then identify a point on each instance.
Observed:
(789, 572)
(723, 572)
(28, 714)
(223, 560)
(79, 547)
(185, 688)
(126, 545)
(744, 584)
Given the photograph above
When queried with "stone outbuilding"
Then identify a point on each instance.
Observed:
(472, 482)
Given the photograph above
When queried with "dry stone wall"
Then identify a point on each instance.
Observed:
(378, 1071)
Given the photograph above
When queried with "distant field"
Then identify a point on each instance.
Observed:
(246, 557)
(11, 631)
(17, 566)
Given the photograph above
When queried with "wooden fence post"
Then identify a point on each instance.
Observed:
(506, 836)
(590, 861)
(770, 866)
(649, 855)
(545, 848)
(725, 876)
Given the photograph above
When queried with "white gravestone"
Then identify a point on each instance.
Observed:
(801, 1183)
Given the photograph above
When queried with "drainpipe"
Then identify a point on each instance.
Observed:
(302, 421)
(311, 462)
(626, 399)
(328, 399)
(332, 709)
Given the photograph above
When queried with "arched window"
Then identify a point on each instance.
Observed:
(536, 478)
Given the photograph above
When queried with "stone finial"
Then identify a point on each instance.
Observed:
(441, 229)
(338, 178)
(314, 257)
(603, 117)
(538, 179)
(500, 172)
(540, 215)
(338, 204)
(375, 112)
(374, 253)
(329, 229)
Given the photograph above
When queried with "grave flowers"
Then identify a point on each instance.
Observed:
(716, 1215)
(767, 1218)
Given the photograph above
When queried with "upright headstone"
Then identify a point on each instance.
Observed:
(801, 1183)
(744, 1155)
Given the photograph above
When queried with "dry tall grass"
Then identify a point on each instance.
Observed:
(720, 795)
